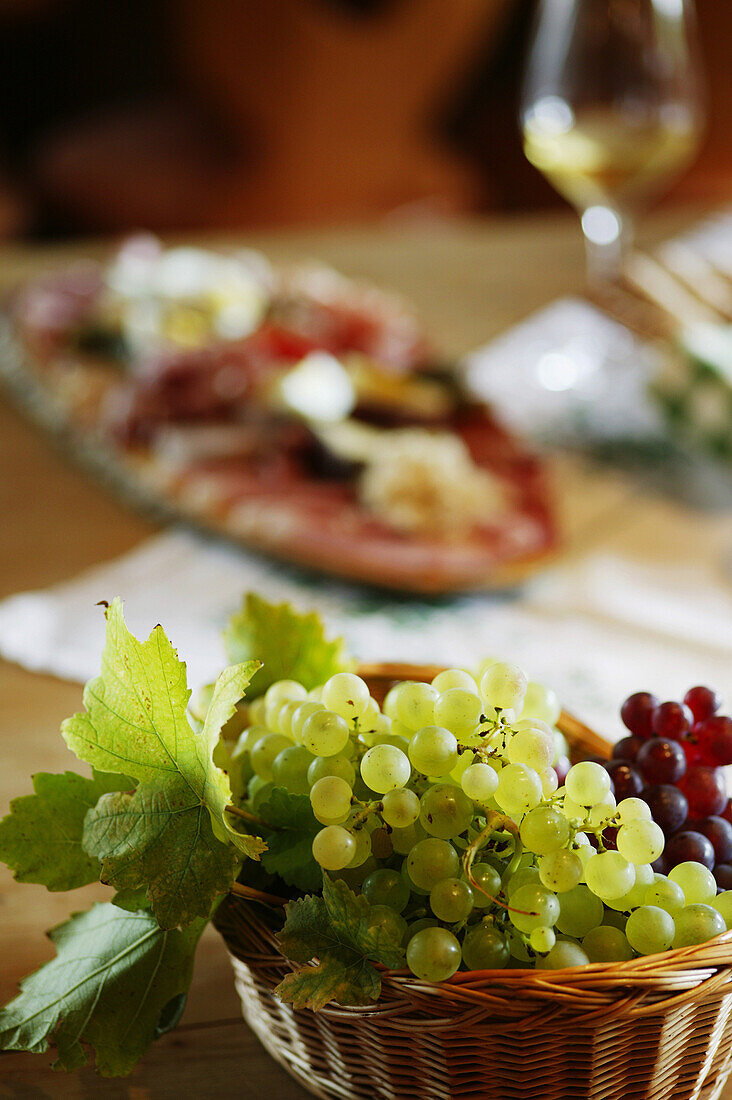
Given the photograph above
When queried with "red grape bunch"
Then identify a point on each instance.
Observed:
(674, 759)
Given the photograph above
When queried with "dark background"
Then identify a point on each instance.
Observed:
(176, 114)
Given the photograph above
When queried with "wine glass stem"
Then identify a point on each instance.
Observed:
(608, 236)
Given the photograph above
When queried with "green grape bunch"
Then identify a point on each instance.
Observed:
(442, 809)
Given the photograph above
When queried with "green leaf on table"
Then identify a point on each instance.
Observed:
(173, 833)
(41, 837)
(337, 930)
(115, 984)
(290, 845)
(291, 645)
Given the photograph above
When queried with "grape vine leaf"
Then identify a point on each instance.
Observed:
(291, 645)
(173, 832)
(162, 840)
(116, 983)
(41, 837)
(337, 930)
(290, 845)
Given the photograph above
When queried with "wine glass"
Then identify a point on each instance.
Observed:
(612, 111)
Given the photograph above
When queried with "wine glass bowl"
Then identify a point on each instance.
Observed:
(612, 110)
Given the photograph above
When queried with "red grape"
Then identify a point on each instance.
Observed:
(714, 738)
(723, 874)
(668, 806)
(719, 832)
(690, 745)
(610, 837)
(689, 846)
(661, 761)
(672, 720)
(703, 702)
(727, 811)
(626, 749)
(705, 790)
(660, 865)
(637, 711)
(627, 780)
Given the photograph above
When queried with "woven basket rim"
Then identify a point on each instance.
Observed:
(678, 971)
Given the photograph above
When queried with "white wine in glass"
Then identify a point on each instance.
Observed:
(611, 110)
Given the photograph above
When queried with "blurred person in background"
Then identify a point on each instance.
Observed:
(179, 115)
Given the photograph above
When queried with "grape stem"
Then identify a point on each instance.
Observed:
(495, 822)
(246, 816)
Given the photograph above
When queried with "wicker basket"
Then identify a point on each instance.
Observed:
(655, 1028)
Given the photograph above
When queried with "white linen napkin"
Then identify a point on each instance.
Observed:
(593, 631)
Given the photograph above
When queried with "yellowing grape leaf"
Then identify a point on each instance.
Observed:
(118, 981)
(290, 645)
(40, 839)
(337, 930)
(172, 834)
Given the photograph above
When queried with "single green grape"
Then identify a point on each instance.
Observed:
(503, 687)
(533, 747)
(485, 948)
(533, 907)
(697, 923)
(330, 799)
(283, 691)
(400, 808)
(587, 783)
(650, 930)
(433, 955)
(324, 733)
(563, 955)
(579, 911)
(290, 769)
(519, 789)
(636, 896)
(544, 830)
(433, 750)
(640, 841)
(486, 885)
(609, 875)
(414, 704)
(451, 900)
(458, 710)
(384, 768)
(697, 882)
(560, 870)
(333, 848)
(300, 716)
(346, 695)
(479, 781)
(606, 944)
(454, 678)
(322, 766)
(431, 860)
(666, 894)
(445, 811)
(632, 809)
(386, 887)
(542, 939)
(264, 752)
(723, 904)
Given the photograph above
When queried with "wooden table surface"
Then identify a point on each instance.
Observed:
(470, 281)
